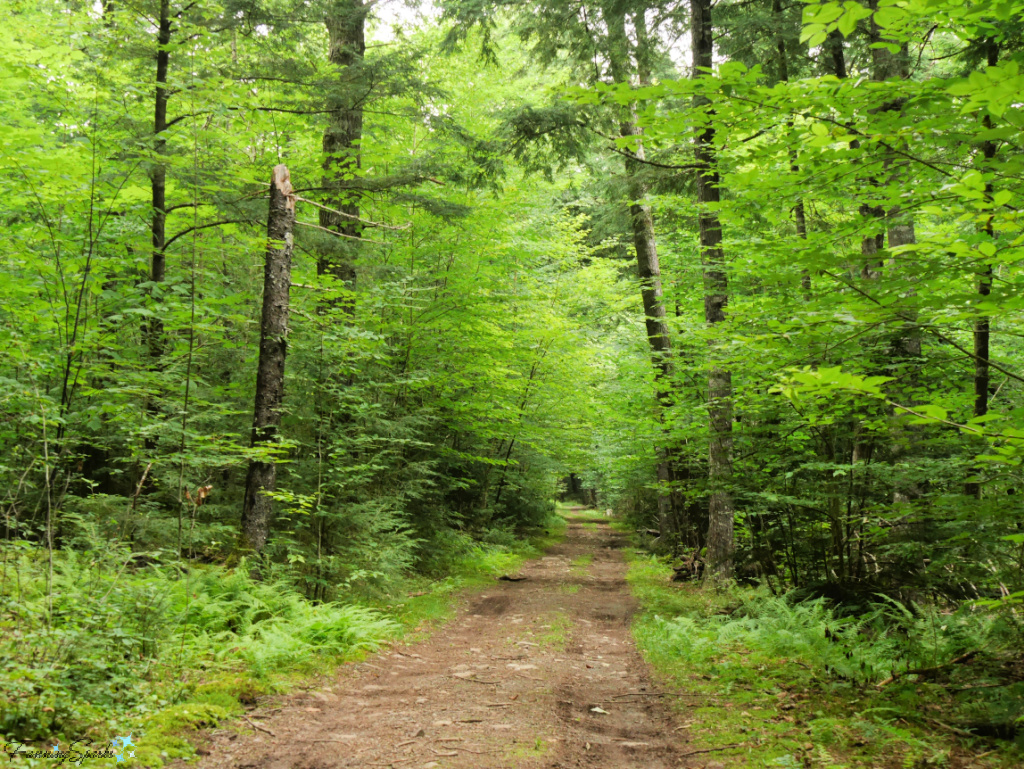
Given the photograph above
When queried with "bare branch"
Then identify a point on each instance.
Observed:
(340, 234)
(367, 222)
(187, 230)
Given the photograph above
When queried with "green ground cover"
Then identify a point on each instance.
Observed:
(794, 684)
(135, 646)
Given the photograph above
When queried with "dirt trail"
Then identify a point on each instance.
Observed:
(519, 679)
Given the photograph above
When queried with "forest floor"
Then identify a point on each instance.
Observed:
(541, 672)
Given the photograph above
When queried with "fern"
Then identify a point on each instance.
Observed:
(116, 631)
(889, 639)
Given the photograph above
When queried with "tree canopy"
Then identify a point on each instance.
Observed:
(747, 274)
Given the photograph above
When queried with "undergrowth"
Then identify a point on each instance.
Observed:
(114, 642)
(796, 684)
(580, 512)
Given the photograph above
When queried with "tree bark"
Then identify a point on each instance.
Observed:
(834, 46)
(345, 22)
(871, 244)
(721, 512)
(158, 176)
(266, 421)
(906, 341)
(799, 211)
(645, 244)
(906, 345)
(886, 66)
(982, 326)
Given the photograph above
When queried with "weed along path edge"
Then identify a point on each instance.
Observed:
(540, 672)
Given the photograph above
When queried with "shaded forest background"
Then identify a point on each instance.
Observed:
(747, 276)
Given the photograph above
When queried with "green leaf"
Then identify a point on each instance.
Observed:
(847, 24)
(890, 16)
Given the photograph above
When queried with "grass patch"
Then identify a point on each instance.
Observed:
(793, 685)
(582, 562)
(524, 751)
(552, 533)
(569, 588)
(577, 512)
(556, 634)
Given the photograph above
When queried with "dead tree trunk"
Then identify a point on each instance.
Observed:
(266, 420)
(716, 296)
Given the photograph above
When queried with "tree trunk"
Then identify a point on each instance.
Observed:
(887, 65)
(716, 296)
(799, 212)
(649, 272)
(982, 326)
(906, 341)
(871, 244)
(266, 420)
(158, 176)
(834, 48)
(345, 22)
(644, 243)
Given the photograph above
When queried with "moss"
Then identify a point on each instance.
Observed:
(165, 735)
(232, 691)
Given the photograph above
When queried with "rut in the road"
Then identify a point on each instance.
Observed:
(537, 673)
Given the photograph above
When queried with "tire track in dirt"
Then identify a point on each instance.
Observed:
(537, 673)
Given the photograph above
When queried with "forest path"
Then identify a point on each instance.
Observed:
(512, 681)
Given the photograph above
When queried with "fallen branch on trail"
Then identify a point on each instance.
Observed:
(949, 728)
(256, 726)
(660, 694)
(476, 680)
(929, 671)
(712, 750)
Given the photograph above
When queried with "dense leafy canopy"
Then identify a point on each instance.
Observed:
(474, 336)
